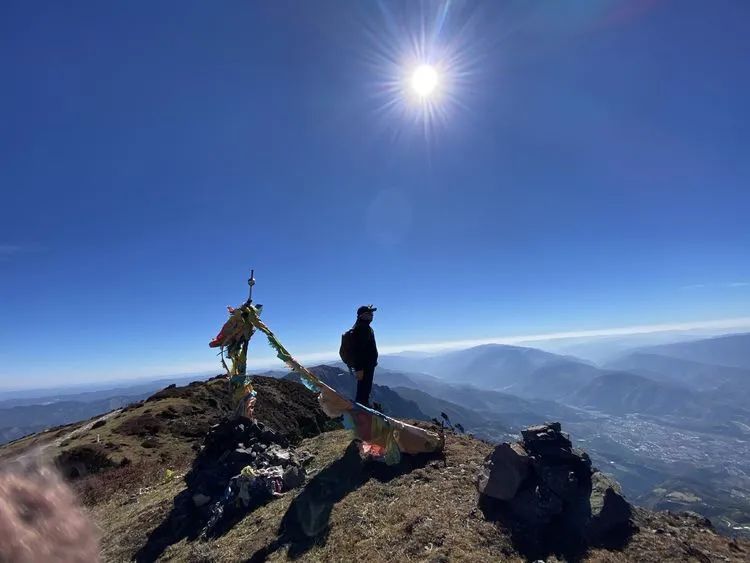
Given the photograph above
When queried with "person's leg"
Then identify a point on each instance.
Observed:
(364, 387)
(362, 395)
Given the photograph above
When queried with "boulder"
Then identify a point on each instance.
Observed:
(547, 492)
(609, 509)
(503, 472)
(293, 477)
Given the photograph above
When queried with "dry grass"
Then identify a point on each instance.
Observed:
(130, 478)
(426, 514)
(125, 519)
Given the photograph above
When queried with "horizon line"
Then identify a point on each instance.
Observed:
(445, 346)
(271, 363)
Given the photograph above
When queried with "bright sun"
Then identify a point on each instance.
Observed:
(424, 80)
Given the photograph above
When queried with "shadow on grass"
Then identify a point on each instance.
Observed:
(182, 522)
(306, 522)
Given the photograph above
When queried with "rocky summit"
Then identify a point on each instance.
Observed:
(174, 478)
(547, 492)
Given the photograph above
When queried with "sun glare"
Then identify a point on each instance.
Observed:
(425, 64)
(424, 81)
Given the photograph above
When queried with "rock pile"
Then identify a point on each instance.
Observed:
(241, 465)
(548, 492)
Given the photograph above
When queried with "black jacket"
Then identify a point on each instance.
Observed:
(364, 349)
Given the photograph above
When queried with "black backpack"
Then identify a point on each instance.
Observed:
(346, 350)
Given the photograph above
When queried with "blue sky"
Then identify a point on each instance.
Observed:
(585, 167)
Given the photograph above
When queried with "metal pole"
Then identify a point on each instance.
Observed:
(251, 283)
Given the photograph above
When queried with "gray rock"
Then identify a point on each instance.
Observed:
(549, 489)
(293, 477)
(609, 509)
(503, 472)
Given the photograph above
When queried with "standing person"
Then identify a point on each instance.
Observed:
(364, 353)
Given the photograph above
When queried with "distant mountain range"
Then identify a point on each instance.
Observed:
(688, 373)
(721, 383)
(642, 381)
(622, 393)
(495, 366)
(731, 350)
(95, 391)
(21, 420)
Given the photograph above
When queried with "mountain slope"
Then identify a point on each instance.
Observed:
(621, 393)
(555, 380)
(166, 427)
(509, 410)
(732, 350)
(434, 406)
(514, 369)
(689, 373)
